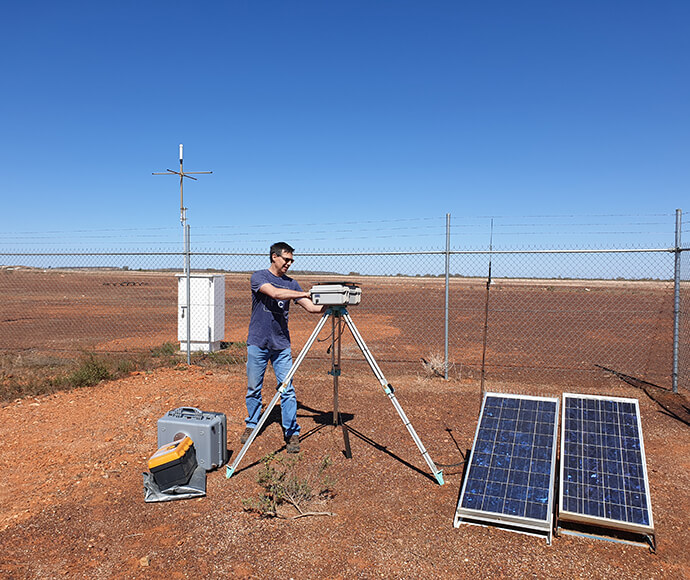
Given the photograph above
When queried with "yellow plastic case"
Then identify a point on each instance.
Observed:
(174, 463)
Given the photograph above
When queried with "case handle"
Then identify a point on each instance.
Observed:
(188, 410)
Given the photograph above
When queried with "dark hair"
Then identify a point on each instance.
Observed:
(278, 248)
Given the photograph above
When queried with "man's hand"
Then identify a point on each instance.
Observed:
(302, 298)
(309, 306)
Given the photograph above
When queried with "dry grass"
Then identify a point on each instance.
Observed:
(434, 366)
(30, 374)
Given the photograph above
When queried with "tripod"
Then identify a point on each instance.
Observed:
(339, 314)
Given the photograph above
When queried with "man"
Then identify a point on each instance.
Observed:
(269, 339)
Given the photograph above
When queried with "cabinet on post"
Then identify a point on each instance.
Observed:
(206, 311)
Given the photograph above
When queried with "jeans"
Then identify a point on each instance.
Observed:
(281, 360)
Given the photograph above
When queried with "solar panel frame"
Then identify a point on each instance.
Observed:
(524, 473)
(611, 478)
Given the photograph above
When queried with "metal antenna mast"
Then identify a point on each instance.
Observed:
(185, 230)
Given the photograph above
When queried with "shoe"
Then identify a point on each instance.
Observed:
(293, 444)
(246, 435)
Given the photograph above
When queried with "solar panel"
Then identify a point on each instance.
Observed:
(511, 470)
(603, 466)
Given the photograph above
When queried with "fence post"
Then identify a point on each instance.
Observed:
(676, 301)
(187, 269)
(445, 364)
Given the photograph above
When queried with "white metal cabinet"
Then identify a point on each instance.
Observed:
(207, 311)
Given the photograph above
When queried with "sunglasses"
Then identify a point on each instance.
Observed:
(287, 260)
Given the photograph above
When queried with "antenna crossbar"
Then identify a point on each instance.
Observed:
(182, 173)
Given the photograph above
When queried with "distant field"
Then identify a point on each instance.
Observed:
(537, 331)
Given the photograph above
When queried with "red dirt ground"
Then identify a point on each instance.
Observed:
(72, 503)
(72, 497)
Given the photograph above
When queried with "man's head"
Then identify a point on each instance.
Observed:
(281, 256)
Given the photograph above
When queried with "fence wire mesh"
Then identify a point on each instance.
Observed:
(548, 317)
(683, 354)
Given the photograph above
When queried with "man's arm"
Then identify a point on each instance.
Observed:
(302, 298)
(282, 293)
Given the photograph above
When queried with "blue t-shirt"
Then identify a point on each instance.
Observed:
(268, 325)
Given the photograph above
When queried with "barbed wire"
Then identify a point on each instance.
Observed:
(441, 219)
(367, 231)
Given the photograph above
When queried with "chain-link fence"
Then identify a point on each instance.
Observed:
(567, 317)
(682, 354)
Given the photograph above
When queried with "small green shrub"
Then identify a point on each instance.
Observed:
(126, 366)
(90, 372)
(282, 484)
(167, 349)
(231, 353)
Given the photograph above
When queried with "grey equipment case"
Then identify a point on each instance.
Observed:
(336, 293)
(207, 429)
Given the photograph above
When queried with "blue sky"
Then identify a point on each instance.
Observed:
(383, 115)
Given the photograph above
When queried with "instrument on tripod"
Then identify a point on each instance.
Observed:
(337, 296)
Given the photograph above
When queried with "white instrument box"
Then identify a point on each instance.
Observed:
(336, 294)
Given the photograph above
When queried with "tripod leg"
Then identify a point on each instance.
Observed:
(346, 439)
(388, 389)
(335, 364)
(335, 371)
(264, 416)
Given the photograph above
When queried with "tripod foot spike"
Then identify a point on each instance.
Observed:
(229, 470)
(439, 477)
